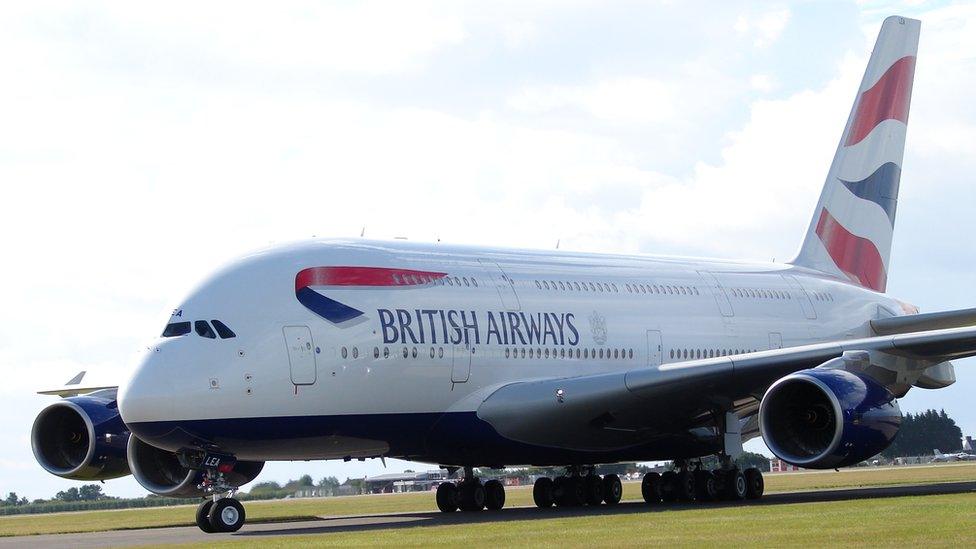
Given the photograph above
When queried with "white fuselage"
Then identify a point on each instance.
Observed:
(439, 343)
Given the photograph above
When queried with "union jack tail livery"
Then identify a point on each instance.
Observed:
(851, 231)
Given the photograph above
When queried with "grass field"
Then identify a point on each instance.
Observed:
(91, 521)
(930, 521)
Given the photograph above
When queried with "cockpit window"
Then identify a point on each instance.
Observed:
(222, 330)
(176, 329)
(203, 329)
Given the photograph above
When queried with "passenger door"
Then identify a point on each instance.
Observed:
(301, 354)
(461, 368)
(655, 349)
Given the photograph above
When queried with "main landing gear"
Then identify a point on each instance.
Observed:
(687, 484)
(470, 494)
(577, 487)
(220, 512)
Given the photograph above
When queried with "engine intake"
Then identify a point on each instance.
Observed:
(160, 471)
(826, 418)
(82, 438)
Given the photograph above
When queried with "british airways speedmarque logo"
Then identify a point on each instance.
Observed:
(308, 279)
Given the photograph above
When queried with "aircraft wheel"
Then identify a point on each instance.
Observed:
(706, 486)
(651, 488)
(612, 489)
(669, 486)
(592, 489)
(494, 495)
(447, 497)
(735, 485)
(203, 513)
(685, 486)
(472, 496)
(754, 483)
(226, 515)
(542, 492)
(569, 492)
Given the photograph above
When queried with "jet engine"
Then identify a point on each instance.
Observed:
(82, 438)
(827, 418)
(161, 472)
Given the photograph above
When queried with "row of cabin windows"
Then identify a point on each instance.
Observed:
(201, 327)
(695, 354)
(823, 296)
(521, 352)
(611, 287)
(517, 352)
(760, 293)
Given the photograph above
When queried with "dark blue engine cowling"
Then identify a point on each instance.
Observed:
(827, 418)
(82, 438)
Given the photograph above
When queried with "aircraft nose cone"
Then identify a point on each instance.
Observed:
(148, 394)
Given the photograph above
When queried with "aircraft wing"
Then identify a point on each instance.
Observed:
(75, 387)
(621, 409)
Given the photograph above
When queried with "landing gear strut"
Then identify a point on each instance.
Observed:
(220, 512)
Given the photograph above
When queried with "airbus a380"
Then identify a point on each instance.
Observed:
(468, 357)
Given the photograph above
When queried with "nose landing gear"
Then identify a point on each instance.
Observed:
(220, 512)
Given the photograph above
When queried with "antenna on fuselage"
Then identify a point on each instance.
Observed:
(557, 243)
(362, 233)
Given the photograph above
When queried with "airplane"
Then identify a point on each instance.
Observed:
(468, 357)
(957, 456)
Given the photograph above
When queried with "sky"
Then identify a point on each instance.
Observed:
(142, 145)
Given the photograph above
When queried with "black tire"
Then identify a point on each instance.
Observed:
(651, 488)
(226, 515)
(613, 490)
(447, 497)
(472, 496)
(494, 495)
(706, 486)
(542, 492)
(735, 485)
(203, 516)
(570, 492)
(685, 486)
(592, 489)
(669, 486)
(754, 483)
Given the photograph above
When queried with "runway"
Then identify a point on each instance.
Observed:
(263, 531)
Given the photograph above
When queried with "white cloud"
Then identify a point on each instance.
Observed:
(622, 100)
(765, 28)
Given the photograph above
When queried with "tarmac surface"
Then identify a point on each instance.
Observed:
(258, 532)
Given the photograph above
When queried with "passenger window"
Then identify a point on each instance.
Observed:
(386, 352)
(376, 352)
(576, 285)
(465, 279)
(344, 352)
(546, 284)
(203, 329)
(355, 352)
(222, 330)
(537, 285)
(176, 329)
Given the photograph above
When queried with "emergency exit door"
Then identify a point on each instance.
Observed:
(301, 354)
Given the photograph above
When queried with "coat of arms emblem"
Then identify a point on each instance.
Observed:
(598, 326)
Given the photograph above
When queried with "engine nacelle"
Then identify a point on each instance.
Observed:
(161, 472)
(82, 438)
(826, 418)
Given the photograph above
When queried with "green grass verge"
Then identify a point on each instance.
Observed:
(932, 521)
(93, 521)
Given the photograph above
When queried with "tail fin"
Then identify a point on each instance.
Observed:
(851, 231)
